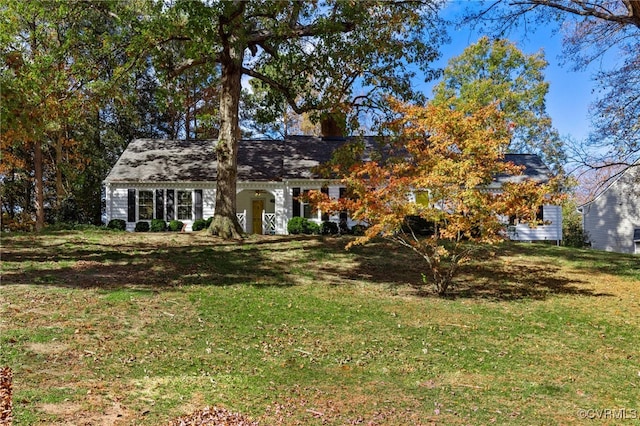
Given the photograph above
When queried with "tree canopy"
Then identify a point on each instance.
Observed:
(427, 187)
(54, 56)
(336, 56)
(606, 34)
(497, 72)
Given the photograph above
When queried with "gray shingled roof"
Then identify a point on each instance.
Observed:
(534, 169)
(162, 160)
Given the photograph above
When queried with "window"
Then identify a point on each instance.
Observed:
(300, 207)
(185, 204)
(422, 198)
(145, 205)
(307, 211)
(515, 220)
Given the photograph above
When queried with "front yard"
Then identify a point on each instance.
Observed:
(118, 328)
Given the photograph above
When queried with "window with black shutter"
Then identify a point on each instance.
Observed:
(159, 204)
(131, 205)
(296, 204)
(343, 215)
(170, 204)
(325, 190)
(197, 201)
(145, 205)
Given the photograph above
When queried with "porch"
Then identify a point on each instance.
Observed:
(265, 226)
(260, 210)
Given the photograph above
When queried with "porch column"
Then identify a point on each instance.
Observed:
(281, 210)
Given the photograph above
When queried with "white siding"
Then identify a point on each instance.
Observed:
(610, 219)
(550, 232)
(281, 211)
(118, 199)
(208, 202)
(117, 207)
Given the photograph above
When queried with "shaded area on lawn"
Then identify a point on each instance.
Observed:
(312, 334)
(162, 262)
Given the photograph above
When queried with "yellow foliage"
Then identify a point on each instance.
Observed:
(452, 156)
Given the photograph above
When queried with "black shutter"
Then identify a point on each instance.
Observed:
(325, 190)
(131, 205)
(296, 203)
(159, 204)
(198, 203)
(170, 208)
(343, 215)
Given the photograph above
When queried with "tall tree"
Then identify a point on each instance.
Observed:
(496, 71)
(52, 78)
(311, 54)
(593, 32)
(446, 159)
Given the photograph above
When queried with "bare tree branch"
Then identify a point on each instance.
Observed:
(589, 9)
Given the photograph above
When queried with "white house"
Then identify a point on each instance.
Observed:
(176, 179)
(612, 219)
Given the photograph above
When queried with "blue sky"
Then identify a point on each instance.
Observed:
(570, 92)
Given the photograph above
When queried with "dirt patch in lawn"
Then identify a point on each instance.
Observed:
(51, 348)
(73, 413)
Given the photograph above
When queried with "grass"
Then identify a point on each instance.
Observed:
(116, 328)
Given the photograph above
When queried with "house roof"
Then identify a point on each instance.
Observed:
(634, 167)
(163, 160)
(533, 169)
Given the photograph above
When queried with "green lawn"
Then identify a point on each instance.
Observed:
(116, 328)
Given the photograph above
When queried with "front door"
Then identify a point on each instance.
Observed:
(257, 207)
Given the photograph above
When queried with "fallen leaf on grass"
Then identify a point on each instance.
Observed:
(213, 416)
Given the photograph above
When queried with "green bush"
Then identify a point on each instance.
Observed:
(329, 228)
(117, 224)
(199, 225)
(301, 225)
(175, 226)
(573, 234)
(142, 226)
(209, 220)
(312, 228)
(358, 230)
(158, 225)
(294, 226)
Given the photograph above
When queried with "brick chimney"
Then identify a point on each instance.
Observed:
(333, 125)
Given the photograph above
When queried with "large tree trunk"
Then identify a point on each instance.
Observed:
(225, 222)
(39, 185)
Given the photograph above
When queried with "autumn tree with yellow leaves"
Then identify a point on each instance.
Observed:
(435, 169)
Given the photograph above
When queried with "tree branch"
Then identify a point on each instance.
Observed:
(588, 9)
(286, 91)
(296, 31)
(191, 63)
